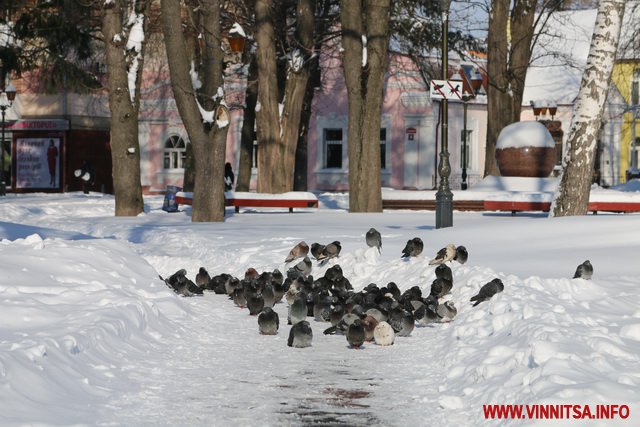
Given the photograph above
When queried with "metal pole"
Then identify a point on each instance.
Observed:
(464, 146)
(634, 154)
(444, 197)
(3, 185)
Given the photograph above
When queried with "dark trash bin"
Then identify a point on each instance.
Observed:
(169, 204)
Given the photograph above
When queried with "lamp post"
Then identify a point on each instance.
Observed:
(444, 197)
(7, 97)
(476, 82)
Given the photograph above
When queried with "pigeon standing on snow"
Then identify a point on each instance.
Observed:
(332, 250)
(202, 278)
(302, 268)
(445, 254)
(299, 251)
(300, 335)
(316, 250)
(443, 271)
(584, 271)
(374, 239)
(355, 334)
(182, 285)
(487, 291)
(383, 334)
(447, 311)
(413, 248)
(297, 310)
(462, 255)
(268, 321)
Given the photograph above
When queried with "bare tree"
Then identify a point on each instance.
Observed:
(196, 80)
(572, 196)
(124, 26)
(365, 43)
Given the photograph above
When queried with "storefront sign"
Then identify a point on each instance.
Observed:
(45, 125)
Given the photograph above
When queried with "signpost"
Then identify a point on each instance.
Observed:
(445, 89)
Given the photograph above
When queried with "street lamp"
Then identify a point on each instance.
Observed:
(444, 197)
(7, 97)
(475, 82)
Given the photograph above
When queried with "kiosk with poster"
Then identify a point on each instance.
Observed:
(37, 163)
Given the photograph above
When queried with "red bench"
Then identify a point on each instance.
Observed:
(532, 206)
(292, 199)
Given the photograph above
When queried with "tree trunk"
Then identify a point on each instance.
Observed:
(124, 106)
(278, 132)
(510, 46)
(365, 85)
(248, 125)
(572, 196)
(208, 139)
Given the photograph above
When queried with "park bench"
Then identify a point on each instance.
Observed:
(238, 199)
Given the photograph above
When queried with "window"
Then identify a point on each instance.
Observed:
(333, 148)
(466, 146)
(175, 152)
(635, 88)
(383, 148)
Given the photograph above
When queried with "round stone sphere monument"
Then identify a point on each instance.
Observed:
(525, 149)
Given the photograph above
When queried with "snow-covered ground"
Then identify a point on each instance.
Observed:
(90, 335)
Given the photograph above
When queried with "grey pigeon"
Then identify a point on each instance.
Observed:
(255, 303)
(443, 271)
(268, 321)
(487, 291)
(332, 250)
(413, 248)
(303, 268)
(461, 254)
(300, 335)
(445, 254)
(268, 295)
(584, 271)
(299, 251)
(182, 285)
(316, 250)
(440, 287)
(355, 334)
(374, 239)
(447, 311)
(202, 278)
(297, 310)
(402, 321)
(343, 325)
(426, 314)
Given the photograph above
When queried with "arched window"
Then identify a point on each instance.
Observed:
(175, 152)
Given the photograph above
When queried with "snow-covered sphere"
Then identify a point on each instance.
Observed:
(525, 134)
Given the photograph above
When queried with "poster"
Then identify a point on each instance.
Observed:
(37, 162)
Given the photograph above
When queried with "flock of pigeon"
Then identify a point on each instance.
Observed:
(374, 314)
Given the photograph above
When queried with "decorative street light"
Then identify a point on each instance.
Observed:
(236, 37)
(444, 197)
(475, 82)
(7, 97)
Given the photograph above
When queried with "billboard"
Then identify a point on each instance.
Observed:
(37, 163)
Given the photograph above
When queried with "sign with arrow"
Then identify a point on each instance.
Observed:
(445, 89)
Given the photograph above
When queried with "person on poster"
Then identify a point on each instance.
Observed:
(52, 159)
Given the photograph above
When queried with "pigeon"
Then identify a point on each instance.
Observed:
(374, 239)
(300, 335)
(443, 271)
(383, 334)
(447, 311)
(251, 273)
(297, 310)
(440, 287)
(342, 326)
(413, 248)
(445, 254)
(239, 298)
(461, 254)
(268, 294)
(202, 278)
(369, 323)
(316, 250)
(255, 303)
(584, 271)
(268, 321)
(355, 334)
(487, 291)
(332, 250)
(303, 268)
(181, 285)
(402, 322)
(299, 251)
(334, 273)
(426, 314)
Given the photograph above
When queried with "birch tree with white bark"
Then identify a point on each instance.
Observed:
(572, 195)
